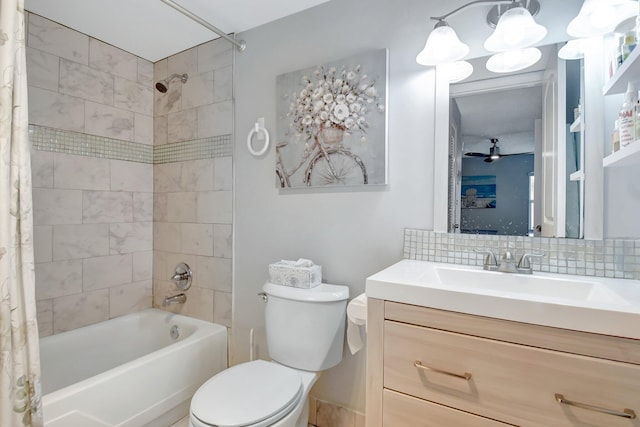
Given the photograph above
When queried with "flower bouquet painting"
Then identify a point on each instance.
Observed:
(331, 128)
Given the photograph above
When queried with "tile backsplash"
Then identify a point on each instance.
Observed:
(602, 258)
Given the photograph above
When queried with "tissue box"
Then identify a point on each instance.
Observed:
(287, 274)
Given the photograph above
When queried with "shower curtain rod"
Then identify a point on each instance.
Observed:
(239, 44)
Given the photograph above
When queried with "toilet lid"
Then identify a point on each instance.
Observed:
(247, 394)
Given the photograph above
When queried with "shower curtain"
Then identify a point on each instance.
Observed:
(19, 357)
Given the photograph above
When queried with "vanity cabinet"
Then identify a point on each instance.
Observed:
(428, 367)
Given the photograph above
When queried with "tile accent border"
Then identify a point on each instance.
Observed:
(615, 258)
(68, 142)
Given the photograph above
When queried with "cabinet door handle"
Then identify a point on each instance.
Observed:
(626, 413)
(418, 364)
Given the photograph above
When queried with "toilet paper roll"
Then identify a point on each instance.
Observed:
(356, 322)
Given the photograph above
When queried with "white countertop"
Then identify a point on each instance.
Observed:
(582, 303)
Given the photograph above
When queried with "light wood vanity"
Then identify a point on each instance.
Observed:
(431, 367)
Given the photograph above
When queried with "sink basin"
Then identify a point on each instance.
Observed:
(589, 304)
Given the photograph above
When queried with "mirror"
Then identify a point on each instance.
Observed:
(508, 133)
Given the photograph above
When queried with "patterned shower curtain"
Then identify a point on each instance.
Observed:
(19, 357)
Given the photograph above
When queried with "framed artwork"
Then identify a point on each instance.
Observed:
(331, 126)
(478, 192)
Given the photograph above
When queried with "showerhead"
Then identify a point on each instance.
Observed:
(163, 85)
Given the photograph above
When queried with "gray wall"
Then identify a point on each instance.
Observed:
(352, 234)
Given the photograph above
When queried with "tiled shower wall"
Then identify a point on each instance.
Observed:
(92, 122)
(91, 112)
(193, 180)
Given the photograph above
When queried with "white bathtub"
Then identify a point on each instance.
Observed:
(128, 371)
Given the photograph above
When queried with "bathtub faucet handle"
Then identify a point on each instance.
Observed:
(182, 276)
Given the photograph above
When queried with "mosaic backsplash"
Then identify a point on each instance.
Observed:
(81, 144)
(602, 258)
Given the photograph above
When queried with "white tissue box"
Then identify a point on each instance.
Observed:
(287, 274)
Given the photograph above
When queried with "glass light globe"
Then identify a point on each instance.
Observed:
(516, 29)
(443, 45)
(574, 49)
(513, 60)
(456, 71)
(598, 17)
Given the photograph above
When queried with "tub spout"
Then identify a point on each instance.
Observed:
(177, 299)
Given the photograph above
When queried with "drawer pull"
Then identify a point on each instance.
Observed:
(418, 364)
(626, 413)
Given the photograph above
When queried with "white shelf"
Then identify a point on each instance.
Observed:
(577, 176)
(629, 71)
(626, 156)
(576, 126)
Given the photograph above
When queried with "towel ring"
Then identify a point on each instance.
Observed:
(257, 128)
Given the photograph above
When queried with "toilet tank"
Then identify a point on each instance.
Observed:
(305, 327)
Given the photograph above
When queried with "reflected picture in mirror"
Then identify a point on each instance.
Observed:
(506, 126)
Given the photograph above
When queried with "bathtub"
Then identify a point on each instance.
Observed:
(136, 370)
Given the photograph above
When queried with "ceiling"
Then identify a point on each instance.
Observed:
(153, 30)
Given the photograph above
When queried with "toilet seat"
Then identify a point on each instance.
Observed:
(255, 394)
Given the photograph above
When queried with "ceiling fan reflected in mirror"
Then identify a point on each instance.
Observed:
(494, 152)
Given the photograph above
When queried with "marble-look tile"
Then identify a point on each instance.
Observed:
(222, 308)
(80, 172)
(182, 125)
(223, 84)
(160, 207)
(184, 422)
(330, 415)
(204, 272)
(143, 129)
(42, 69)
(133, 96)
(167, 177)
(110, 59)
(159, 265)
(198, 90)
(142, 266)
(83, 82)
(107, 271)
(55, 110)
(183, 62)
(360, 420)
(75, 311)
(312, 411)
(44, 313)
(197, 239)
(166, 237)
(224, 173)
(160, 69)
(160, 130)
(198, 175)
(215, 119)
(56, 279)
(214, 54)
(222, 240)
(131, 176)
(80, 241)
(145, 72)
(130, 298)
(104, 120)
(57, 206)
(130, 237)
(41, 169)
(57, 39)
(199, 302)
(43, 243)
(215, 207)
(168, 102)
(107, 207)
(142, 207)
(222, 274)
(181, 207)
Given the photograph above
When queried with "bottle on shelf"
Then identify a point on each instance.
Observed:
(626, 119)
(615, 137)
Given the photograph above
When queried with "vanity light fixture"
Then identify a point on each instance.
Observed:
(513, 60)
(457, 71)
(598, 17)
(573, 49)
(515, 29)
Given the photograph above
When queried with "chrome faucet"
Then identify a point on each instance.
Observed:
(507, 263)
(524, 265)
(490, 263)
(175, 299)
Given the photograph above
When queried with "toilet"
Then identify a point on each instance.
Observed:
(305, 333)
